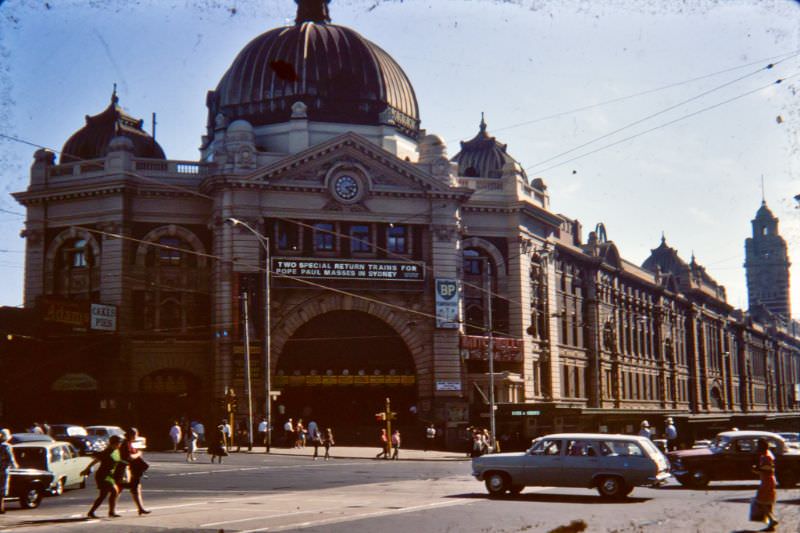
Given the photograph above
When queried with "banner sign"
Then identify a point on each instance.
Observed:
(476, 348)
(448, 385)
(313, 268)
(332, 380)
(104, 317)
(448, 303)
(80, 315)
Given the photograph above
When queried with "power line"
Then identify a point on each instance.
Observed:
(787, 55)
(669, 123)
(653, 115)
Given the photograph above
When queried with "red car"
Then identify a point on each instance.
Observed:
(731, 457)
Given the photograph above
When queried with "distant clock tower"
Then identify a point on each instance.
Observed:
(767, 266)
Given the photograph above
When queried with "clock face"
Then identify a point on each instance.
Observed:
(346, 187)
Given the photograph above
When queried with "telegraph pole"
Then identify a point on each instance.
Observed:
(490, 347)
(247, 375)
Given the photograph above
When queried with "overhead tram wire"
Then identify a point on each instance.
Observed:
(782, 57)
(657, 113)
(286, 276)
(255, 173)
(665, 124)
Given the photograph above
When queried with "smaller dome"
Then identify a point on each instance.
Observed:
(94, 139)
(120, 143)
(483, 156)
(431, 148)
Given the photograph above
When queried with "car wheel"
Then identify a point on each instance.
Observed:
(612, 487)
(496, 484)
(31, 499)
(699, 479)
(58, 489)
(516, 489)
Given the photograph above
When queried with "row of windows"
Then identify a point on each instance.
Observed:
(331, 237)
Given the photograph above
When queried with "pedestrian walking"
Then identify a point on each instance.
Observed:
(227, 433)
(299, 434)
(216, 444)
(478, 444)
(671, 434)
(327, 442)
(106, 476)
(430, 435)
(315, 437)
(191, 444)
(137, 466)
(7, 461)
(644, 430)
(175, 435)
(763, 505)
(288, 433)
(384, 438)
(396, 444)
(262, 431)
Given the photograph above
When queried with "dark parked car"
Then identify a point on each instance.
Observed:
(79, 437)
(16, 438)
(731, 456)
(28, 485)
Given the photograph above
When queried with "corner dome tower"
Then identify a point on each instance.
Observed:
(339, 75)
(483, 156)
(92, 141)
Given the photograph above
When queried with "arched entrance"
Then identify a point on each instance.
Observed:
(338, 369)
(165, 396)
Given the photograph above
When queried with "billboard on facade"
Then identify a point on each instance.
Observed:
(79, 314)
(448, 303)
(103, 317)
(349, 269)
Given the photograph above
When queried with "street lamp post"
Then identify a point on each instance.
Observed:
(264, 241)
(490, 347)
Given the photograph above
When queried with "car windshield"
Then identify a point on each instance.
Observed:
(720, 442)
(76, 431)
(790, 437)
(31, 457)
(116, 431)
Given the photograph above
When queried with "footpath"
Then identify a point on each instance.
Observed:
(358, 452)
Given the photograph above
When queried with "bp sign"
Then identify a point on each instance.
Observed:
(448, 302)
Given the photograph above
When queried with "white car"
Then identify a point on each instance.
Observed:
(59, 458)
(140, 443)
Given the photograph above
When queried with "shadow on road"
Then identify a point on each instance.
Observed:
(712, 488)
(51, 521)
(552, 498)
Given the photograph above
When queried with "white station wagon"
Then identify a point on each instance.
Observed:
(613, 464)
(59, 458)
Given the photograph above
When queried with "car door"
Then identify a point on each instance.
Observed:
(543, 464)
(580, 463)
(55, 463)
(737, 460)
(73, 465)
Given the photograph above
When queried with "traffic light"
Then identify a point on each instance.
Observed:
(380, 417)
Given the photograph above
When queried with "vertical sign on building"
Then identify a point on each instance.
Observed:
(448, 302)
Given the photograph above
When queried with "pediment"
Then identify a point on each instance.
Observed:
(385, 173)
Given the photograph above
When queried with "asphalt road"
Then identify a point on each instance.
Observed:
(257, 492)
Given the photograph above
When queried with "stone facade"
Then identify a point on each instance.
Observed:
(583, 339)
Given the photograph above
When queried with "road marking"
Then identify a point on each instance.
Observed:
(362, 516)
(251, 468)
(266, 516)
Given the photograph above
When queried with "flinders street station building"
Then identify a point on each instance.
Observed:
(362, 261)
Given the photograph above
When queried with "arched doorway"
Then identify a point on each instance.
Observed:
(165, 396)
(338, 369)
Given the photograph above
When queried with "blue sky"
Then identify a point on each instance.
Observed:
(521, 62)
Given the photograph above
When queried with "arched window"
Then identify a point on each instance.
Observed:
(172, 297)
(74, 268)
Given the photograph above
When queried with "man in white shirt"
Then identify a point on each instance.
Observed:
(175, 435)
(262, 431)
(226, 433)
(645, 431)
(430, 435)
(671, 434)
